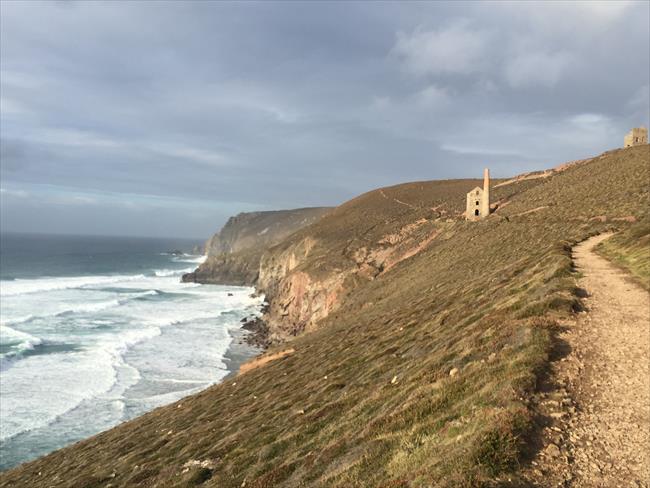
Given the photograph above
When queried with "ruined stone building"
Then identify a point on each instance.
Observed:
(478, 200)
(636, 137)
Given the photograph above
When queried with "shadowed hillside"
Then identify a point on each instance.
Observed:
(420, 372)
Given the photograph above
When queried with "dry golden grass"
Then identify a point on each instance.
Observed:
(630, 249)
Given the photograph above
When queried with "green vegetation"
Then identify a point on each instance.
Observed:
(421, 378)
(630, 249)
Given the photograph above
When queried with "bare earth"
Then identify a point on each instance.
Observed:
(612, 426)
(599, 434)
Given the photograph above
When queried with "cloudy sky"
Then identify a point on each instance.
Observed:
(163, 119)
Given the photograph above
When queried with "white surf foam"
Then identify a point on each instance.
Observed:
(139, 342)
(16, 320)
(90, 307)
(172, 272)
(20, 287)
(55, 308)
(40, 389)
(188, 258)
(21, 341)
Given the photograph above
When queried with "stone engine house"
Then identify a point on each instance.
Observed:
(478, 200)
(636, 137)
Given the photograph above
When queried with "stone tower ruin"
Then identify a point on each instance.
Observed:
(636, 137)
(478, 200)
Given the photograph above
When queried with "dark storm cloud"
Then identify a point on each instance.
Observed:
(164, 118)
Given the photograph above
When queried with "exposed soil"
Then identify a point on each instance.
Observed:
(260, 361)
(599, 429)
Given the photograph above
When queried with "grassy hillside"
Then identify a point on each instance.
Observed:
(309, 274)
(421, 377)
(630, 249)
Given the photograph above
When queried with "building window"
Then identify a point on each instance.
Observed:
(476, 212)
(477, 202)
(477, 192)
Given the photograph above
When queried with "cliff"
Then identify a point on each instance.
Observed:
(425, 368)
(309, 274)
(239, 269)
(258, 230)
(233, 254)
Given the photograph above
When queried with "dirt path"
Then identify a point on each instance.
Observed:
(608, 376)
(396, 200)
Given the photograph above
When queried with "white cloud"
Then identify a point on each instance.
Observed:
(239, 95)
(601, 10)
(588, 120)
(380, 103)
(20, 79)
(433, 96)
(88, 139)
(536, 68)
(6, 192)
(488, 151)
(560, 21)
(83, 200)
(75, 138)
(10, 106)
(189, 153)
(453, 49)
(639, 106)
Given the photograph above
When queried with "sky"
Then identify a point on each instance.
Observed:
(165, 118)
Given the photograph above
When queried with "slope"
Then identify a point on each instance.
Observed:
(420, 376)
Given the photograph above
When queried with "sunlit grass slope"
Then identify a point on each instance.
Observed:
(630, 249)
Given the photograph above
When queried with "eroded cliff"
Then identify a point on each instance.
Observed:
(308, 275)
(233, 254)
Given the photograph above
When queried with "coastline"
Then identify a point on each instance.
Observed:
(240, 351)
(249, 341)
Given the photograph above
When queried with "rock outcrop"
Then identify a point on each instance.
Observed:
(238, 269)
(233, 254)
(308, 275)
(260, 230)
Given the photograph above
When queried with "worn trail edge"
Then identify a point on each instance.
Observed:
(610, 431)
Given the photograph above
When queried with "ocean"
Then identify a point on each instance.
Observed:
(97, 330)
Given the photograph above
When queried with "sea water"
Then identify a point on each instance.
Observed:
(97, 330)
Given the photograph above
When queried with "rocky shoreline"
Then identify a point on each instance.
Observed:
(257, 330)
(248, 342)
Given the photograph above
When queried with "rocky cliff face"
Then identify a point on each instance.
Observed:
(239, 269)
(234, 252)
(309, 275)
(259, 230)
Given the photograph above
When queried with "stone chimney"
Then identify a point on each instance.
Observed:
(485, 203)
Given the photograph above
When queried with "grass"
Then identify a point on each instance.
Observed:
(630, 249)
(481, 298)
